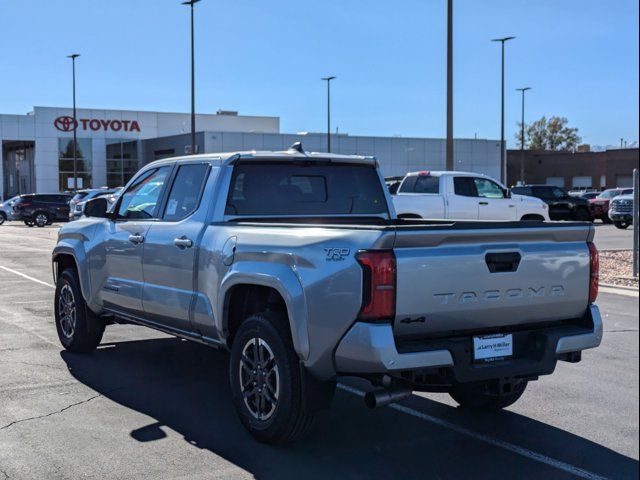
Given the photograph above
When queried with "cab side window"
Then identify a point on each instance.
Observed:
(140, 200)
(464, 186)
(186, 191)
(488, 189)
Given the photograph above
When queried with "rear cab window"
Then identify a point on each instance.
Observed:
(425, 184)
(305, 189)
(464, 187)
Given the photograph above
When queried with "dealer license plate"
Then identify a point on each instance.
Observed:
(492, 347)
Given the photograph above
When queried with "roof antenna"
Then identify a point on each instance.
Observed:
(297, 146)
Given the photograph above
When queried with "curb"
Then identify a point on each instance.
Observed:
(619, 290)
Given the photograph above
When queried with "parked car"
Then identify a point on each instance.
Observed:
(6, 209)
(77, 203)
(589, 195)
(621, 211)
(296, 263)
(600, 205)
(42, 209)
(562, 206)
(462, 196)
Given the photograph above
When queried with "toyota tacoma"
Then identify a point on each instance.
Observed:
(297, 264)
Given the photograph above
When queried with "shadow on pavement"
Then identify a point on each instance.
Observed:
(184, 386)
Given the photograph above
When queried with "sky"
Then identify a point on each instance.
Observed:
(267, 57)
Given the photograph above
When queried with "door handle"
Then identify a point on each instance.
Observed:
(183, 242)
(512, 206)
(136, 239)
(483, 203)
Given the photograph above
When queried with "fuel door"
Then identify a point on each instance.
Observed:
(229, 250)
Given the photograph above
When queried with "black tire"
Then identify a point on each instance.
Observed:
(284, 420)
(3, 217)
(479, 399)
(621, 225)
(606, 220)
(532, 218)
(85, 333)
(41, 219)
(582, 215)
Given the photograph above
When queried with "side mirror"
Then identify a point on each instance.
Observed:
(97, 207)
(507, 193)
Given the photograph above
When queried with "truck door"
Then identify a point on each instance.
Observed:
(462, 200)
(492, 202)
(125, 238)
(171, 249)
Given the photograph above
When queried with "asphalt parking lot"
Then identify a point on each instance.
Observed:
(148, 405)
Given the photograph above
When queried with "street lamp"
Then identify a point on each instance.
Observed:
(191, 3)
(328, 80)
(502, 162)
(524, 89)
(449, 141)
(73, 57)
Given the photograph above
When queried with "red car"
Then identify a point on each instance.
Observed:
(600, 205)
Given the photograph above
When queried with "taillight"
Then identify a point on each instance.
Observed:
(594, 271)
(379, 284)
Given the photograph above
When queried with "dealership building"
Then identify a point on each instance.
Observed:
(37, 148)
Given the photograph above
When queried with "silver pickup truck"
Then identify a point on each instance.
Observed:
(296, 263)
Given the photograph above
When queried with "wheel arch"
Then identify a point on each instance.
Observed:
(245, 290)
(66, 257)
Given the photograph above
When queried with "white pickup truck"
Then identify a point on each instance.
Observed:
(463, 196)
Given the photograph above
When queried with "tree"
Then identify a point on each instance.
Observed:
(552, 134)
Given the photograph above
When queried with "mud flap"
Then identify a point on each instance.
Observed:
(316, 394)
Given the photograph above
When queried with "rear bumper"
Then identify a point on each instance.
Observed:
(371, 349)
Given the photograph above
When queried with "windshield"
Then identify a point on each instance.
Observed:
(79, 196)
(610, 194)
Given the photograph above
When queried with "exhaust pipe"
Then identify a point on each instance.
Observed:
(382, 397)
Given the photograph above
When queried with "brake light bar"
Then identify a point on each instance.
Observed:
(379, 284)
(594, 271)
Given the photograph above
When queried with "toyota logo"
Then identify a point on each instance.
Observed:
(65, 124)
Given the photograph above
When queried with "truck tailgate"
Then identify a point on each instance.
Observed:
(486, 279)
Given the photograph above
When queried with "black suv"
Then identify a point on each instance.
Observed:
(42, 208)
(562, 206)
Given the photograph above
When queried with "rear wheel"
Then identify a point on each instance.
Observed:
(266, 380)
(3, 217)
(79, 329)
(532, 217)
(479, 398)
(621, 225)
(41, 219)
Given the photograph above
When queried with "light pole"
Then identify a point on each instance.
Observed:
(524, 89)
(449, 142)
(502, 163)
(73, 57)
(191, 3)
(328, 80)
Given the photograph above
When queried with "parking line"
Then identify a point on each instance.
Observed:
(10, 270)
(525, 452)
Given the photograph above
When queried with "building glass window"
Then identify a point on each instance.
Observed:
(122, 161)
(65, 163)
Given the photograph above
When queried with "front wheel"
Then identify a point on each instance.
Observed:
(621, 225)
(266, 380)
(79, 329)
(479, 398)
(3, 218)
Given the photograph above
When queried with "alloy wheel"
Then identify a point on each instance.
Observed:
(67, 311)
(259, 379)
